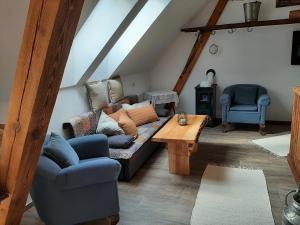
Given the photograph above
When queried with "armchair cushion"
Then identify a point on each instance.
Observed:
(60, 151)
(249, 108)
(264, 100)
(245, 95)
(91, 146)
(89, 172)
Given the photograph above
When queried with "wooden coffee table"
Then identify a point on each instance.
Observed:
(181, 141)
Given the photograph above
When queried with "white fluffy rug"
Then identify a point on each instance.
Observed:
(230, 196)
(278, 145)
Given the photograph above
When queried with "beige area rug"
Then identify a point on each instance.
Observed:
(278, 145)
(231, 196)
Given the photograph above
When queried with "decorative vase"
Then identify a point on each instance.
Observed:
(182, 119)
(291, 214)
(251, 10)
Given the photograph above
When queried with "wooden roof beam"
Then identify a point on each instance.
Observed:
(242, 25)
(199, 46)
(47, 39)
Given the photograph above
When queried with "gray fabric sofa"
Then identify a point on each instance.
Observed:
(132, 158)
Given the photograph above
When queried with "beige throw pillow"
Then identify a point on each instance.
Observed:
(97, 95)
(115, 90)
(108, 126)
(136, 105)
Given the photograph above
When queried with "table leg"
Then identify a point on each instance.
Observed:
(179, 158)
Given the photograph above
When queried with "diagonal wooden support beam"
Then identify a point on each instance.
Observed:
(47, 39)
(199, 46)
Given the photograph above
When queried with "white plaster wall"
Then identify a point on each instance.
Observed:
(261, 57)
(70, 102)
(136, 84)
(12, 21)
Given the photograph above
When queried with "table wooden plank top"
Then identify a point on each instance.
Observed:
(172, 131)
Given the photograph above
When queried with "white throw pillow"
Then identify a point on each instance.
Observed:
(115, 90)
(136, 105)
(108, 126)
(97, 95)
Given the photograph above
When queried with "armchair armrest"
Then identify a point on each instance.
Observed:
(91, 172)
(264, 100)
(225, 99)
(91, 146)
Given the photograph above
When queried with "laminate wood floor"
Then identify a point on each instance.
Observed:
(155, 197)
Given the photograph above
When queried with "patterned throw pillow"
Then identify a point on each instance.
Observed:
(108, 126)
(143, 115)
(115, 90)
(97, 95)
(136, 105)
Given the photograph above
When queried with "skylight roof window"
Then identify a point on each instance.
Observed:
(99, 27)
(130, 38)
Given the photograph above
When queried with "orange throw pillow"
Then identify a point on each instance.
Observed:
(117, 114)
(143, 115)
(128, 125)
(125, 122)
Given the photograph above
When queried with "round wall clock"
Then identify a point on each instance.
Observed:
(213, 49)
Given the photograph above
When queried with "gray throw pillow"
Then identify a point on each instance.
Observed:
(120, 141)
(60, 151)
(108, 126)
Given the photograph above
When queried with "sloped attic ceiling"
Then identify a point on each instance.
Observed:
(143, 56)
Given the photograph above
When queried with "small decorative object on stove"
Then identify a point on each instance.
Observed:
(209, 79)
(291, 214)
(251, 10)
(182, 119)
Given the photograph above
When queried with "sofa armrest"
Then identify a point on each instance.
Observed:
(91, 172)
(225, 99)
(91, 146)
(264, 100)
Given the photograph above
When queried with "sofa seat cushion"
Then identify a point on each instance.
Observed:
(245, 95)
(252, 108)
(145, 132)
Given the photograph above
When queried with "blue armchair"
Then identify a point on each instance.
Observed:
(245, 103)
(79, 193)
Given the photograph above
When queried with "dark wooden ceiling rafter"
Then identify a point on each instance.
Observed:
(199, 46)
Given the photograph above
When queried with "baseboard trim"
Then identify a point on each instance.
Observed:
(273, 122)
(268, 122)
